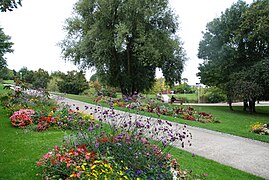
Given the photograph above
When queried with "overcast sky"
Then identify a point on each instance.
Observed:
(36, 28)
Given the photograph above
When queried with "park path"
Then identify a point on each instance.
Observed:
(241, 153)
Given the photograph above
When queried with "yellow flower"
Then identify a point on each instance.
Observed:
(83, 167)
(77, 168)
(106, 165)
(93, 166)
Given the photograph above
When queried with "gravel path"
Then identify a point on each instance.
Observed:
(241, 153)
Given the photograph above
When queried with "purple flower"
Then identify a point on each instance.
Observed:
(97, 145)
(91, 128)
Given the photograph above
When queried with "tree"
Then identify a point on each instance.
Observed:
(6, 74)
(26, 75)
(232, 48)
(9, 5)
(5, 47)
(125, 41)
(94, 77)
(73, 82)
(55, 77)
(41, 79)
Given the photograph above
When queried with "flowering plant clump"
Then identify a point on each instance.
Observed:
(117, 147)
(260, 128)
(22, 118)
(77, 163)
(153, 106)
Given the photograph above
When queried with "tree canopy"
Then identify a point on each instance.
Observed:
(5, 47)
(73, 82)
(9, 5)
(235, 48)
(125, 41)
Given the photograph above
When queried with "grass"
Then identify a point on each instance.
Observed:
(8, 82)
(189, 97)
(20, 150)
(234, 122)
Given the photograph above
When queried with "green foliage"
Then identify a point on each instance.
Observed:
(41, 79)
(94, 77)
(125, 42)
(26, 75)
(109, 91)
(6, 74)
(9, 5)
(38, 79)
(5, 47)
(213, 95)
(53, 84)
(73, 82)
(234, 47)
(184, 89)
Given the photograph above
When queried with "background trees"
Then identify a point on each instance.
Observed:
(125, 42)
(234, 48)
(73, 82)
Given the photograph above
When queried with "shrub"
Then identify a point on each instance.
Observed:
(213, 95)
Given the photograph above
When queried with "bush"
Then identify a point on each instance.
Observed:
(73, 83)
(213, 95)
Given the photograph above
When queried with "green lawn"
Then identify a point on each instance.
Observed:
(20, 150)
(234, 122)
(8, 82)
(191, 98)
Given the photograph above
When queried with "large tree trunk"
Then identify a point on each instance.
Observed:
(245, 105)
(230, 104)
(252, 108)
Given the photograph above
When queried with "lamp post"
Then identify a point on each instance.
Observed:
(198, 85)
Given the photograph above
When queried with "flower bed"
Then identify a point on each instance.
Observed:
(116, 147)
(110, 146)
(160, 108)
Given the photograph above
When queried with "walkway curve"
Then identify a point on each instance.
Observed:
(241, 153)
